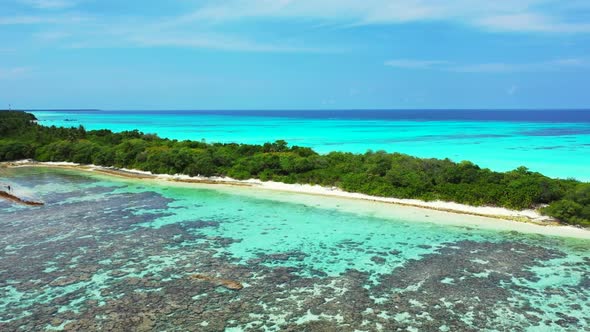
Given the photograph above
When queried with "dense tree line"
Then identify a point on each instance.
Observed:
(374, 173)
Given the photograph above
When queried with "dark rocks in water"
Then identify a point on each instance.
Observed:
(229, 284)
(378, 260)
(55, 322)
(63, 281)
(278, 257)
(19, 200)
(565, 320)
(318, 273)
(202, 224)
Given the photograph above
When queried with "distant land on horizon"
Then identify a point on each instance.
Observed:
(301, 110)
(511, 115)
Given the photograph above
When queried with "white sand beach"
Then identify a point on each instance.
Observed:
(489, 217)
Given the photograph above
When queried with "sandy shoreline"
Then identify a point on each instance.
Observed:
(484, 211)
(528, 221)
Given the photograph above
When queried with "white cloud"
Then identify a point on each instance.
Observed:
(204, 27)
(23, 20)
(500, 67)
(16, 20)
(218, 42)
(368, 11)
(15, 72)
(531, 22)
(415, 64)
(50, 36)
(552, 16)
(574, 62)
(510, 16)
(491, 67)
(494, 67)
(50, 4)
(76, 31)
(512, 90)
(146, 36)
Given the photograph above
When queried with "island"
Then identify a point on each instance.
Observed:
(374, 173)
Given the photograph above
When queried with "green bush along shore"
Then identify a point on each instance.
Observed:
(374, 172)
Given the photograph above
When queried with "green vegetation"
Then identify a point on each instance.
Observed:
(374, 173)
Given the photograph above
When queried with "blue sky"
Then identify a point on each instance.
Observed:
(294, 54)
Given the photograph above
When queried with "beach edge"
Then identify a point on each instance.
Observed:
(528, 216)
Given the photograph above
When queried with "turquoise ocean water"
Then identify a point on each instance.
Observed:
(114, 254)
(553, 142)
(107, 253)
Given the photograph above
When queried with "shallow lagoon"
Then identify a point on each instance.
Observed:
(107, 253)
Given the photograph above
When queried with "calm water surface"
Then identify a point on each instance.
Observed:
(108, 254)
(554, 142)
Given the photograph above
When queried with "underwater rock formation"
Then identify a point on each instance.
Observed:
(19, 200)
(229, 284)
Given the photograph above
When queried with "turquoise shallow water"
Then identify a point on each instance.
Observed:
(107, 253)
(500, 141)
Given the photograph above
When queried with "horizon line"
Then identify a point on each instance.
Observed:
(295, 110)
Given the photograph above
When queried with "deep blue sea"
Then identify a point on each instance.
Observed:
(553, 142)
